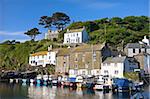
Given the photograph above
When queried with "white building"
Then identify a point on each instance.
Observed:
(42, 58)
(145, 41)
(133, 49)
(76, 36)
(116, 67)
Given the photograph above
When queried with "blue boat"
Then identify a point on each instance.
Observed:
(121, 84)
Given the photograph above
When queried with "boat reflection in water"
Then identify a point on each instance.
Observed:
(19, 91)
(44, 92)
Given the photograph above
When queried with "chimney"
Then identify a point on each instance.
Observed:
(67, 30)
(50, 48)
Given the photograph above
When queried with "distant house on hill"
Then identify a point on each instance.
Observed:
(76, 36)
(51, 35)
(115, 67)
(135, 48)
(132, 49)
(43, 58)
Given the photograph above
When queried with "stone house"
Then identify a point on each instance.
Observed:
(62, 60)
(82, 60)
(144, 62)
(51, 35)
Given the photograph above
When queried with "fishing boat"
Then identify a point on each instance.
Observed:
(39, 79)
(121, 84)
(99, 83)
(79, 81)
(90, 81)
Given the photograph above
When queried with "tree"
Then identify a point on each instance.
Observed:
(46, 22)
(32, 33)
(60, 20)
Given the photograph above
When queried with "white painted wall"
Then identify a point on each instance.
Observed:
(50, 58)
(114, 70)
(75, 37)
(73, 72)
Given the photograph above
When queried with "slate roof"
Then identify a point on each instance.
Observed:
(137, 45)
(87, 48)
(115, 59)
(75, 30)
(39, 53)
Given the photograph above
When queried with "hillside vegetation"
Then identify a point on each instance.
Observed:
(116, 31)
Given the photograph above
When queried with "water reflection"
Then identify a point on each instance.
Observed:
(44, 92)
(16, 91)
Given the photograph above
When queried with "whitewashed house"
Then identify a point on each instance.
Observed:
(76, 36)
(133, 49)
(115, 67)
(43, 58)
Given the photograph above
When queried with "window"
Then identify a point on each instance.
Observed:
(94, 58)
(83, 72)
(133, 50)
(139, 50)
(64, 64)
(49, 57)
(65, 57)
(73, 34)
(76, 66)
(115, 64)
(76, 59)
(83, 58)
(42, 56)
(38, 57)
(106, 71)
(145, 50)
(116, 71)
(77, 34)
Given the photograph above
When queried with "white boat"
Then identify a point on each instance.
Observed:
(11, 80)
(45, 78)
(98, 87)
(79, 81)
(31, 80)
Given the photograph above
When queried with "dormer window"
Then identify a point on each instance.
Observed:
(133, 50)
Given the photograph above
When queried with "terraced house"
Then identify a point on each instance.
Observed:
(82, 60)
(62, 60)
(43, 58)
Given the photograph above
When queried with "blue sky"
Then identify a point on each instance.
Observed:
(18, 16)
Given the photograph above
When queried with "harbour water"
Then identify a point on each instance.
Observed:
(22, 91)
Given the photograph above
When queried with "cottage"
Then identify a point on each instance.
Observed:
(43, 58)
(135, 48)
(62, 61)
(115, 67)
(76, 36)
